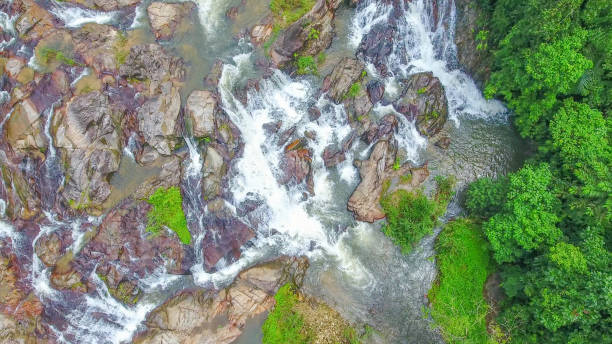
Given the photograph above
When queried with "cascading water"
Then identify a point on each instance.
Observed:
(74, 16)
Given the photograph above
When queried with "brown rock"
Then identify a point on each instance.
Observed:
(345, 73)
(165, 17)
(201, 107)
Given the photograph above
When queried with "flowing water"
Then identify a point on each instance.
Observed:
(353, 266)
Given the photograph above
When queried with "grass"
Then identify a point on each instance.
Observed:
(168, 212)
(121, 49)
(289, 11)
(284, 325)
(412, 215)
(458, 305)
(306, 65)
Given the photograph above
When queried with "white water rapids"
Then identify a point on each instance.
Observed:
(367, 271)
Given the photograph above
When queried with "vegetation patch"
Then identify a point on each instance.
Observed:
(298, 320)
(168, 212)
(47, 55)
(353, 90)
(121, 49)
(289, 11)
(457, 303)
(306, 65)
(412, 215)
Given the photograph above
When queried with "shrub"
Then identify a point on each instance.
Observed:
(168, 212)
(289, 11)
(306, 65)
(353, 90)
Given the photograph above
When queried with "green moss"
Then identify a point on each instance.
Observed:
(47, 55)
(422, 90)
(289, 11)
(406, 179)
(120, 49)
(458, 305)
(168, 212)
(353, 90)
(321, 58)
(284, 325)
(314, 34)
(397, 164)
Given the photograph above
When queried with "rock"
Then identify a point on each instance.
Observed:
(345, 73)
(333, 156)
(377, 45)
(105, 5)
(150, 62)
(424, 100)
(385, 129)
(232, 13)
(67, 278)
(49, 249)
(201, 107)
(158, 119)
(212, 79)
(19, 193)
(474, 61)
(24, 129)
(13, 66)
(262, 31)
(98, 45)
(444, 142)
(296, 165)
(170, 175)
(365, 200)
(87, 136)
(360, 105)
(224, 238)
(298, 38)
(376, 90)
(165, 17)
(34, 22)
(202, 316)
(213, 170)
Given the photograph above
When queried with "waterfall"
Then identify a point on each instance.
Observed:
(74, 16)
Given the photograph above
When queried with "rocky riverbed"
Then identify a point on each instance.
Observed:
(103, 102)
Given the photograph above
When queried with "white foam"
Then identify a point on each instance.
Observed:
(365, 19)
(74, 16)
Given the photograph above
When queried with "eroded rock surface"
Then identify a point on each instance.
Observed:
(345, 73)
(201, 107)
(166, 17)
(217, 317)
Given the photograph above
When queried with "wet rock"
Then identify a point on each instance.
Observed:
(213, 170)
(105, 5)
(376, 90)
(296, 165)
(345, 73)
(150, 62)
(474, 61)
(19, 193)
(89, 141)
(374, 172)
(377, 45)
(98, 45)
(49, 249)
(66, 277)
(384, 130)
(333, 155)
(424, 100)
(201, 107)
(443, 143)
(158, 119)
(170, 175)
(262, 31)
(24, 129)
(212, 79)
(34, 22)
(165, 17)
(224, 238)
(314, 113)
(218, 317)
(358, 106)
(297, 38)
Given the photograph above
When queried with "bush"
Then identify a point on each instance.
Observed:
(289, 11)
(306, 65)
(168, 212)
(284, 325)
(353, 90)
(457, 302)
(485, 197)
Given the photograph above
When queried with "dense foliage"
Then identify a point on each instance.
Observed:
(457, 302)
(549, 223)
(289, 11)
(412, 215)
(168, 212)
(284, 325)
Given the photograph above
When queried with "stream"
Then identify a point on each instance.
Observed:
(353, 266)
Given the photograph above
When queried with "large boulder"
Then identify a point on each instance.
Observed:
(165, 17)
(345, 73)
(424, 100)
(201, 108)
(98, 46)
(34, 22)
(20, 195)
(213, 171)
(218, 317)
(87, 136)
(24, 129)
(295, 165)
(158, 119)
(299, 39)
(374, 172)
(105, 5)
(149, 62)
